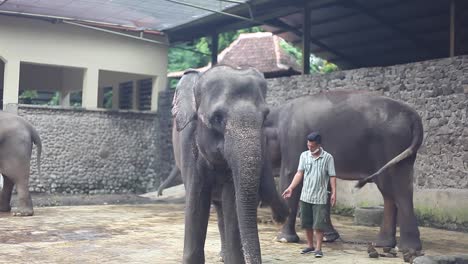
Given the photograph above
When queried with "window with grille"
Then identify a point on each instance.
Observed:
(125, 95)
(144, 94)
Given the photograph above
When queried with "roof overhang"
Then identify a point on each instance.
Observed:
(352, 33)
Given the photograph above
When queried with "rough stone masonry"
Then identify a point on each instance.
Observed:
(125, 151)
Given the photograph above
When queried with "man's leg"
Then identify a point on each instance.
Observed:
(307, 224)
(310, 237)
(319, 238)
(320, 224)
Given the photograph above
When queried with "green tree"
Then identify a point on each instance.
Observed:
(317, 65)
(55, 100)
(108, 99)
(27, 96)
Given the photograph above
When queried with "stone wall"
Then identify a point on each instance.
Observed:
(436, 89)
(95, 151)
(125, 151)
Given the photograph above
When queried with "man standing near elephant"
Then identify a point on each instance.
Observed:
(316, 168)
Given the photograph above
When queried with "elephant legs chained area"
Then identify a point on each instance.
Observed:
(154, 233)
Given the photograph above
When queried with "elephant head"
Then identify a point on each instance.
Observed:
(228, 109)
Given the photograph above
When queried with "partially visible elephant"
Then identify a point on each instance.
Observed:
(367, 135)
(220, 148)
(16, 140)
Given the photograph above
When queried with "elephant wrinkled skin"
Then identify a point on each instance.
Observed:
(220, 148)
(367, 135)
(16, 139)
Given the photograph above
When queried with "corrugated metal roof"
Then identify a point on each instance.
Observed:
(141, 14)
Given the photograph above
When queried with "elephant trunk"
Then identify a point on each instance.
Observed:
(245, 148)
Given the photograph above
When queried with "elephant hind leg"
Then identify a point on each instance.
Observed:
(409, 232)
(386, 237)
(5, 194)
(25, 205)
(331, 234)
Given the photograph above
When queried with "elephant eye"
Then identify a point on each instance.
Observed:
(217, 118)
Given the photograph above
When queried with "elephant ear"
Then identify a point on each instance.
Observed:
(184, 108)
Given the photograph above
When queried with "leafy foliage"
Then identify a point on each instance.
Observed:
(55, 100)
(317, 65)
(108, 99)
(27, 96)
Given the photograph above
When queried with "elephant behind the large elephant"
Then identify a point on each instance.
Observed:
(16, 139)
(220, 149)
(372, 138)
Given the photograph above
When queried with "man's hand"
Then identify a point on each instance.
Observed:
(333, 199)
(287, 193)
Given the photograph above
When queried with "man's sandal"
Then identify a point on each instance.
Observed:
(307, 250)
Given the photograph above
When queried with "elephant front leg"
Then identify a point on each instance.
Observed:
(219, 212)
(5, 194)
(197, 210)
(288, 230)
(386, 237)
(234, 253)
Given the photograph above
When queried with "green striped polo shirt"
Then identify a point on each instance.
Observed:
(317, 172)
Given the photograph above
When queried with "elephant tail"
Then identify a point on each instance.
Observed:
(37, 141)
(417, 138)
(174, 173)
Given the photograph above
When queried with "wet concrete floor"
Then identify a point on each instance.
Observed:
(153, 233)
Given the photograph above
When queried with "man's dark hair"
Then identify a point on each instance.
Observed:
(315, 136)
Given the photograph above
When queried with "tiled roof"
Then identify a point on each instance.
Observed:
(260, 50)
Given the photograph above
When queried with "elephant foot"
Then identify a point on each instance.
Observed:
(410, 244)
(385, 241)
(410, 254)
(23, 212)
(287, 238)
(330, 236)
(221, 256)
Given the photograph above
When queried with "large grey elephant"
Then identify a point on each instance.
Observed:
(16, 139)
(372, 138)
(220, 148)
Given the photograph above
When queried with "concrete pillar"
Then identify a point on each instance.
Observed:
(154, 94)
(90, 88)
(115, 96)
(135, 94)
(101, 97)
(11, 86)
(64, 99)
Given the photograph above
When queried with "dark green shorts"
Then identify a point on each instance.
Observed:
(314, 216)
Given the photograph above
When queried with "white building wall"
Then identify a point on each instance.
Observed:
(28, 40)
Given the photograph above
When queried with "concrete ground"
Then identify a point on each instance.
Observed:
(153, 233)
